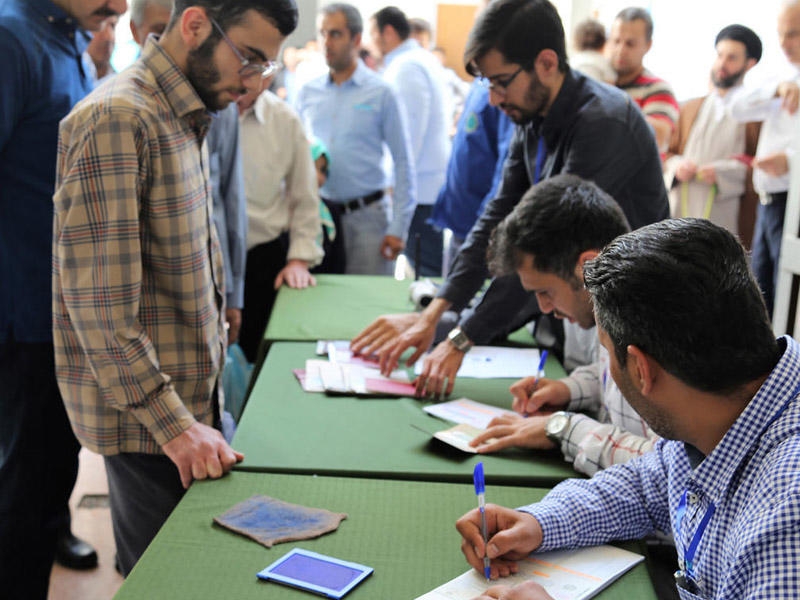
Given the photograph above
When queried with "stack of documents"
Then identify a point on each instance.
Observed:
(346, 374)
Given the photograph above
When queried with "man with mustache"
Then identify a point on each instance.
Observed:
(41, 78)
(138, 286)
(706, 168)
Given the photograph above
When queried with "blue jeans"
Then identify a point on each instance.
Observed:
(767, 246)
(38, 467)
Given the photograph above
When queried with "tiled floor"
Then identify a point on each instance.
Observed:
(92, 524)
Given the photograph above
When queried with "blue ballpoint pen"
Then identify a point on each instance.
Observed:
(539, 374)
(480, 490)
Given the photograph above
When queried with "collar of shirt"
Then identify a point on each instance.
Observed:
(261, 107)
(359, 76)
(713, 476)
(551, 125)
(62, 21)
(182, 97)
(407, 45)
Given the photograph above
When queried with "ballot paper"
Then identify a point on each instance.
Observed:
(565, 574)
(344, 378)
(469, 412)
(493, 362)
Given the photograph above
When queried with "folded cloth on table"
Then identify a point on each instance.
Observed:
(271, 521)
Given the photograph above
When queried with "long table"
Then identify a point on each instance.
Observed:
(287, 430)
(404, 530)
(337, 308)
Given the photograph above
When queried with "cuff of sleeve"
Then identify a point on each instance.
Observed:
(574, 391)
(579, 427)
(550, 521)
(165, 416)
(474, 331)
(307, 251)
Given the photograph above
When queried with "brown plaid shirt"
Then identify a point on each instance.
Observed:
(137, 269)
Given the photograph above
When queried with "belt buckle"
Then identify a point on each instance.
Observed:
(764, 198)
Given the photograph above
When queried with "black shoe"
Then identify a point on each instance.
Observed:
(74, 553)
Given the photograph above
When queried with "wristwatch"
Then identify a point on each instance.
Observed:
(460, 340)
(557, 425)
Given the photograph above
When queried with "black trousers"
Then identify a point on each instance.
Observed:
(142, 490)
(38, 467)
(264, 262)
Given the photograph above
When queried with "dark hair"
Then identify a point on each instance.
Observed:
(355, 25)
(589, 35)
(281, 13)
(519, 30)
(418, 25)
(682, 291)
(556, 220)
(745, 35)
(634, 13)
(391, 15)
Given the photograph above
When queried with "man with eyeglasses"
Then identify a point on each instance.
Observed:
(354, 112)
(566, 123)
(138, 284)
(41, 78)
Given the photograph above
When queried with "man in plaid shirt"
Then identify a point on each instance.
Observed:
(138, 291)
(691, 347)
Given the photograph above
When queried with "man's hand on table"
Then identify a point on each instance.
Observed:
(440, 366)
(514, 431)
(296, 275)
(201, 452)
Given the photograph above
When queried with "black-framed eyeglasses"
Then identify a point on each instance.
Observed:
(500, 86)
(249, 68)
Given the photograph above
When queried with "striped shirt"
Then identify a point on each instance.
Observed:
(751, 546)
(615, 434)
(137, 267)
(654, 96)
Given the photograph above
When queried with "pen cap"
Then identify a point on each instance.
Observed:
(477, 478)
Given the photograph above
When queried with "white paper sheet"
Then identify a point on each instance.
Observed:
(565, 574)
(467, 411)
(493, 362)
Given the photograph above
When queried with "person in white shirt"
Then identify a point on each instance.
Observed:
(776, 105)
(418, 78)
(282, 209)
(706, 167)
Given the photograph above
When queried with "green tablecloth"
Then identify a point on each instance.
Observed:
(287, 430)
(404, 530)
(337, 308)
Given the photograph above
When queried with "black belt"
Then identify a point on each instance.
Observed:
(774, 197)
(348, 206)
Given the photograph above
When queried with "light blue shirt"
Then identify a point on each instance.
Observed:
(230, 205)
(354, 120)
(419, 80)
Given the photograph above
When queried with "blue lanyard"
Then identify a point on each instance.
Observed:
(541, 154)
(689, 552)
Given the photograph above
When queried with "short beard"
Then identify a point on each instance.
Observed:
(537, 96)
(202, 74)
(728, 82)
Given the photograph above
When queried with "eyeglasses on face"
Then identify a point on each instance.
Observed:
(499, 85)
(249, 68)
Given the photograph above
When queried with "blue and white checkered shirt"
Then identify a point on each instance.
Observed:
(751, 547)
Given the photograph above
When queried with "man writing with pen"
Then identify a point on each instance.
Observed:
(691, 345)
(560, 224)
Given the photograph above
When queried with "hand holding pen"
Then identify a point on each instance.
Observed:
(480, 491)
(536, 394)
